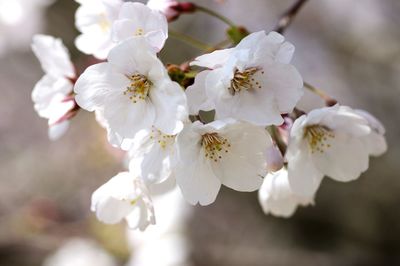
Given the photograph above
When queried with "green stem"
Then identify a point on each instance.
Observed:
(190, 40)
(216, 15)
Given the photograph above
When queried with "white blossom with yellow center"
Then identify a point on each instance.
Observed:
(223, 152)
(333, 141)
(137, 19)
(253, 81)
(152, 155)
(133, 92)
(94, 20)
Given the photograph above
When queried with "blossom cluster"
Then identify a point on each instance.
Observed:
(231, 120)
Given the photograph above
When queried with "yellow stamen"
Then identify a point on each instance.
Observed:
(139, 88)
(214, 146)
(318, 137)
(244, 81)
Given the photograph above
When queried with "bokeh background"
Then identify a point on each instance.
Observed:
(351, 49)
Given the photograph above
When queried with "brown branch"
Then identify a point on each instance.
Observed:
(287, 18)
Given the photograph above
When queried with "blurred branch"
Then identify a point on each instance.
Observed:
(287, 18)
(329, 101)
(216, 15)
(190, 40)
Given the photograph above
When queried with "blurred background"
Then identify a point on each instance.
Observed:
(351, 49)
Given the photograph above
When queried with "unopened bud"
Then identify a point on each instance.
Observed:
(330, 102)
(186, 7)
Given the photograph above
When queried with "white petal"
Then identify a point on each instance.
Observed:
(141, 216)
(138, 19)
(194, 175)
(376, 144)
(56, 131)
(243, 167)
(169, 100)
(94, 43)
(94, 20)
(274, 46)
(374, 123)
(213, 60)
(97, 84)
(48, 88)
(375, 141)
(276, 197)
(99, 115)
(285, 82)
(344, 160)
(151, 159)
(257, 107)
(126, 119)
(251, 40)
(53, 56)
(196, 95)
(304, 177)
(135, 55)
(112, 211)
(115, 199)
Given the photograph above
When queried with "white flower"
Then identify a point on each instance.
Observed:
(276, 197)
(253, 82)
(152, 155)
(94, 20)
(167, 7)
(19, 21)
(52, 94)
(133, 91)
(222, 152)
(136, 19)
(334, 141)
(80, 252)
(124, 196)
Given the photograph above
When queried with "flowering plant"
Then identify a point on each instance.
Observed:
(228, 117)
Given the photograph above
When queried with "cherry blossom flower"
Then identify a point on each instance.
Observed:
(52, 94)
(80, 252)
(152, 155)
(277, 198)
(334, 141)
(124, 196)
(136, 19)
(133, 91)
(253, 82)
(94, 20)
(223, 152)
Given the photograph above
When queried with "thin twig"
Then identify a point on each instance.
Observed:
(190, 40)
(216, 15)
(329, 101)
(287, 18)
